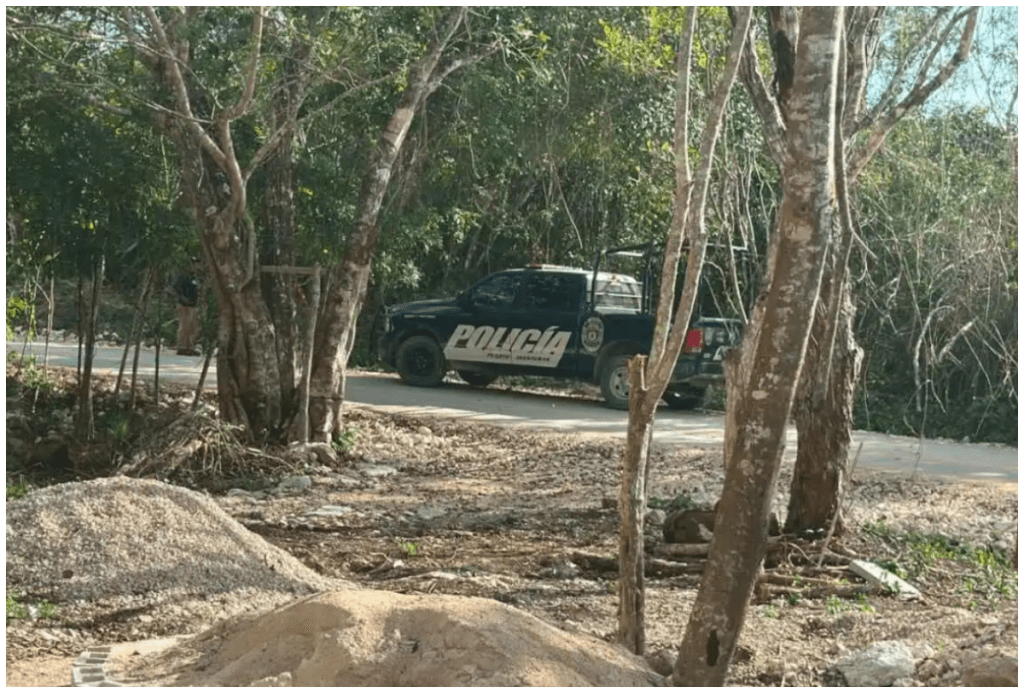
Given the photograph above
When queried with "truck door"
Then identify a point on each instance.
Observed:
(552, 303)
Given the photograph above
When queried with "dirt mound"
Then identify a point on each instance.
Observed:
(374, 638)
(150, 552)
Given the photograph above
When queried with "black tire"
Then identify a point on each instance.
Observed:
(420, 361)
(615, 382)
(477, 379)
(686, 398)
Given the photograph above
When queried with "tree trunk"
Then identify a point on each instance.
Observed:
(248, 381)
(632, 508)
(279, 220)
(762, 384)
(347, 281)
(89, 304)
(213, 190)
(647, 384)
(824, 413)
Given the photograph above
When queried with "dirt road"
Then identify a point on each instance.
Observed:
(932, 458)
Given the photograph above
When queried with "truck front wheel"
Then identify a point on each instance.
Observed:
(615, 382)
(420, 361)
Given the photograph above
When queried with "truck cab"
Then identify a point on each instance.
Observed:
(549, 320)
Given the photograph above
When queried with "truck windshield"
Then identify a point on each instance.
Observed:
(620, 294)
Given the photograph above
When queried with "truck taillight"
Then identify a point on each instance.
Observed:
(694, 341)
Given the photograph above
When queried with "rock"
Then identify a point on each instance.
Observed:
(697, 526)
(992, 671)
(430, 512)
(424, 431)
(656, 517)
(879, 665)
(283, 680)
(663, 661)
(377, 471)
(330, 511)
(878, 576)
(928, 670)
(325, 454)
(689, 527)
(295, 484)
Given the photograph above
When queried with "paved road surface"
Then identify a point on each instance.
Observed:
(387, 393)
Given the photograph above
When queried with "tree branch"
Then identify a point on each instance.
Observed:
(245, 99)
(868, 118)
(177, 84)
(766, 106)
(918, 95)
(862, 34)
(459, 63)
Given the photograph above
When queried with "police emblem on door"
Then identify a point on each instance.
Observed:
(592, 334)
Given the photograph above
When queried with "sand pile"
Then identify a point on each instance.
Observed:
(375, 638)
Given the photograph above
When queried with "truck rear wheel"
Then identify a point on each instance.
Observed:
(420, 361)
(615, 382)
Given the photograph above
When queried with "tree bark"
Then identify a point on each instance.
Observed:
(213, 188)
(632, 508)
(347, 281)
(825, 405)
(687, 224)
(762, 382)
(89, 310)
(279, 221)
(824, 417)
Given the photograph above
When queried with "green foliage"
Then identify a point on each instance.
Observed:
(345, 441)
(18, 610)
(116, 423)
(35, 378)
(15, 609)
(982, 572)
(936, 318)
(681, 502)
(17, 310)
(408, 547)
(17, 489)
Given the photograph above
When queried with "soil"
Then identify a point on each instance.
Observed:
(527, 519)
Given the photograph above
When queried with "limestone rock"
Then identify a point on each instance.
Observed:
(295, 484)
(878, 665)
(992, 671)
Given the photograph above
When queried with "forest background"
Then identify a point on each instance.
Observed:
(540, 135)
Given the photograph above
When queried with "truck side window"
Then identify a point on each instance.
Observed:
(497, 291)
(551, 292)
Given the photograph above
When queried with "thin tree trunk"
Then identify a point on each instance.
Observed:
(348, 280)
(85, 423)
(140, 311)
(647, 388)
(202, 379)
(762, 384)
(156, 358)
(279, 216)
(632, 508)
(824, 419)
(50, 305)
(302, 435)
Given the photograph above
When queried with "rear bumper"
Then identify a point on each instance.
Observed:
(697, 371)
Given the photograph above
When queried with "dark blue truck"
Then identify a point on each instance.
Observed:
(554, 321)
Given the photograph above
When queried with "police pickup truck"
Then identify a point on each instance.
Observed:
(554, 321)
